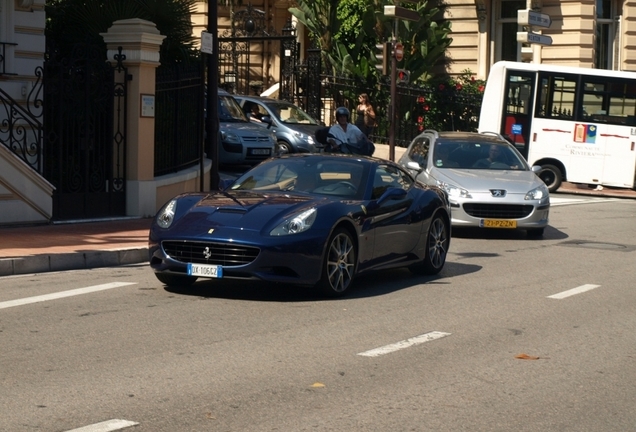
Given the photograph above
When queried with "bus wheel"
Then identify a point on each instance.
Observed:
(551, 176)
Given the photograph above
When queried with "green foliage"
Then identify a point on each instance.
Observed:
(449, 104)
(347, 32)
(81, 21)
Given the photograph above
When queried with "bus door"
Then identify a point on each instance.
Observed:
(619, 167)
(518, 106)
(614, 120)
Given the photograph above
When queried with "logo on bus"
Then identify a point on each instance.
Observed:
(585, 133)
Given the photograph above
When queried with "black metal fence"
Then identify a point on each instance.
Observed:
(445, 105)
(179, 117)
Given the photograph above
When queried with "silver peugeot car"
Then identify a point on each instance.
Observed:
(489, 183)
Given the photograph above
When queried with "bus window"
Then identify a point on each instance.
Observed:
(557, 97)
(612, 102)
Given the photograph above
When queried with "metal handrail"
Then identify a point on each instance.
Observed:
(21, 125)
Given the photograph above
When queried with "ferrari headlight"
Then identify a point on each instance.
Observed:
(454, 191)
(296, 224)
(538, 193)
(166, 214)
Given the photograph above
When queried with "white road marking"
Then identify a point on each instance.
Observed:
(426, 337)
(106, 426)
(557, 201)
(63, 294)
(573, 291)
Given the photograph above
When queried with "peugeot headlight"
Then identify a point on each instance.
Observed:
(230, 138)
(538, 193)
(296, 224)
(454, 191)
(166, 214)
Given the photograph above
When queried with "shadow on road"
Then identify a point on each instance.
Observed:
(367, 285)
(550, 233)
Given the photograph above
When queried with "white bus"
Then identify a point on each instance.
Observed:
(578, 124)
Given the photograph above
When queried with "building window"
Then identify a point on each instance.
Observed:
(606, 35)
(507, 46)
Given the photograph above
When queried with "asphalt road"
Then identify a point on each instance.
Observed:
(481, 347)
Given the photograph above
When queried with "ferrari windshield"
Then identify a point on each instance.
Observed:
(313, 175)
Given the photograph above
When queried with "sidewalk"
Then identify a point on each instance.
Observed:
(114, 242)
(72, 246)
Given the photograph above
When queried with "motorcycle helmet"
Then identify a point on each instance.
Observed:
(342, 111)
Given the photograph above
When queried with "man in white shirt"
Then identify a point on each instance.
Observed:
(344, 132)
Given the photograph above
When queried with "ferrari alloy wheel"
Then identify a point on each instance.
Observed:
(437, 242)
(175, 279)
(339, 265)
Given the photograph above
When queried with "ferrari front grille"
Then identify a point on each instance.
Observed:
(498, 211)
(226, 255)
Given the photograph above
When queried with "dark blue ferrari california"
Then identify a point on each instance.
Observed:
(305, 219)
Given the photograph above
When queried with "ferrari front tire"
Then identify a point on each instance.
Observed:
(175, 279)
(339, 264)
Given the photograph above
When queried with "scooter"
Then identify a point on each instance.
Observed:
(323, 137)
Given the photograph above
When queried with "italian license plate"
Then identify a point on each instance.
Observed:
(498, 223)
(260, 151)
(205, 270)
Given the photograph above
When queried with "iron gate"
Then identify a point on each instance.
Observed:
(85, 132)
(241, 55)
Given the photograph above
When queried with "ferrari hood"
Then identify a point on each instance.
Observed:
(513, 181)
(246, 210)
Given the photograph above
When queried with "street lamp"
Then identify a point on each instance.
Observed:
(230, 80)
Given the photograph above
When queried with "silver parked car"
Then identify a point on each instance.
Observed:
(294, 128)
(489, 183)
(242, 142)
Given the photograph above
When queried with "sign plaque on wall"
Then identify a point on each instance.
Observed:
(147, 105)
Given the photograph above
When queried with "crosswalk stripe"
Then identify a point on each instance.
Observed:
(63, 294)
(557, 201)
(426, 337)
(573, 291)
(106, 426)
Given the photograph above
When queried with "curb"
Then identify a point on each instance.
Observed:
(71, 261)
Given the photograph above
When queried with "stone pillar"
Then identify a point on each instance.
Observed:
(140, 41)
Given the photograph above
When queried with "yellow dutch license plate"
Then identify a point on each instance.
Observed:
(498, 223)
